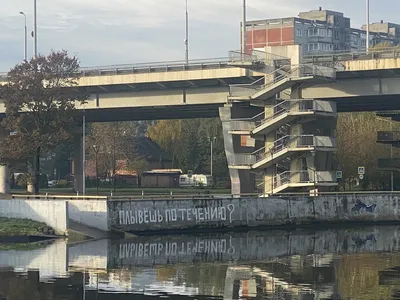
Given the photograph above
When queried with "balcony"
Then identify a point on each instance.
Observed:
(282, 149)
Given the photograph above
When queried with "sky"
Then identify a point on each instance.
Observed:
(109, 32)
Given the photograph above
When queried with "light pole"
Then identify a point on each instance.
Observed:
(35, 29)
(244, 30)
(212, 140)
(25, 38)
(96, 150)
(83, 152)
(367, 11)
(187, 35)
(391, 153)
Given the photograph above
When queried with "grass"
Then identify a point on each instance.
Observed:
(106, 191)
(24, 246)
(23, 227)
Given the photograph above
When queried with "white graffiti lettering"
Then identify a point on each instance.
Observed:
(200, 214)
(145, 250)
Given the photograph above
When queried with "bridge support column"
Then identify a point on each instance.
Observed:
(78, 164)
(4, 170)
(242, 180)
(269, 142)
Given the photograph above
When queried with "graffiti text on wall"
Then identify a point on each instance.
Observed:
(199, 214)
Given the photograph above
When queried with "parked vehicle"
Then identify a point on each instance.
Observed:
(187, 180)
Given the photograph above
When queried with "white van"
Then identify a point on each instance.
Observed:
(195, 180)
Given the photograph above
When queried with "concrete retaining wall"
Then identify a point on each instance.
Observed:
(147, 215)
(52, 212)
(92, 213)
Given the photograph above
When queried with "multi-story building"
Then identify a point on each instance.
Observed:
(317, 31)
(389, 29)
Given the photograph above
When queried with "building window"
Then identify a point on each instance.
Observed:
(323, 47)
(299, 32)
(322, 32)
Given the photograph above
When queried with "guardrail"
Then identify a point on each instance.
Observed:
(166, 66)
(203, 196)
(391, 52)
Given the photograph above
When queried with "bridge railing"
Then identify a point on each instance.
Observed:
(219, 62)
(325, 175)
(390, 52)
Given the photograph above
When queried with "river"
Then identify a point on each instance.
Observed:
(343, 263)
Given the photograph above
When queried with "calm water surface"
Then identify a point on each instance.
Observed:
(352, 263)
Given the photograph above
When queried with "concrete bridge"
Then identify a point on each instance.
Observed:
(272, 104)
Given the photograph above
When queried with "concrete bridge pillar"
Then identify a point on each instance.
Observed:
(4, 170)
(77, 167)
(242, 181)
(269, 143)
(4, 179)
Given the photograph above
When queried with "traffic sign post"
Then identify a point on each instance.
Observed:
(339, 174)
(361, 170)
(361, 177)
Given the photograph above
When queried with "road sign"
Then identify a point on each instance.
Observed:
(361, 176)
(339, 174)
(361, 170)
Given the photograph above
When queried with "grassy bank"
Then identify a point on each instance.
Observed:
(23, 227)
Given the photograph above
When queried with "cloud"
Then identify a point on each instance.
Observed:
(105, 32)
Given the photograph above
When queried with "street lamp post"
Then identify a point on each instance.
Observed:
(35, 29)
(25, 38)
(83, 152)
(244, 30)
(212, 140)
(96, 150)
(367, 29)
(187, 34)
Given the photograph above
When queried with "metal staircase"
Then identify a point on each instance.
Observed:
(299, 179)
(281, 122)
(282, 148)
(282, 114)
(279, 80)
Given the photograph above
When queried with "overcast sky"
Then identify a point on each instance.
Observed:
(104, 32)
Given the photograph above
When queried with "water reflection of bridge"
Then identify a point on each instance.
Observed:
(269, 263)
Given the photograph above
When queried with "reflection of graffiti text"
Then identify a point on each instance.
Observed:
(143, 250)
(360, 206)
(179, 214)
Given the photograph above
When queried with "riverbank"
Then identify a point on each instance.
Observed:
(23, 230)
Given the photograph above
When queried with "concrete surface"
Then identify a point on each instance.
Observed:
(256, 246)
(190, 214)
(92, 213)
(52, 212)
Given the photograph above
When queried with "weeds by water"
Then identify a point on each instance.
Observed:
(23, 227)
